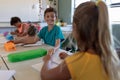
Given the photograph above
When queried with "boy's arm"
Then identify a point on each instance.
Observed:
(25, 40)
(57, 46)
(19, 40)
(59, 36)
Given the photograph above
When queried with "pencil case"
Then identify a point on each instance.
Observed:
(26, 55)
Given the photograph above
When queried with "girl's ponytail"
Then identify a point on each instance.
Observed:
(109, 56)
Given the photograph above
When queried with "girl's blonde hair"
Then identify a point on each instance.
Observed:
(92, 31)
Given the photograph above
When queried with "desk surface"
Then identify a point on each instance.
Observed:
(24, 70)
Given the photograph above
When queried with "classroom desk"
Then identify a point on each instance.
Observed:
(24, 70)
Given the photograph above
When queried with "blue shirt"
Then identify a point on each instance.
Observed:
(51, 36)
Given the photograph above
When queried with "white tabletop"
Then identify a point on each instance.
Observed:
(24, 70)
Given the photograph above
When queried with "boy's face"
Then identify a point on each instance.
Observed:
(50, 18)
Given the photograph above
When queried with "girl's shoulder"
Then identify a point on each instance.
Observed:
(83, 56)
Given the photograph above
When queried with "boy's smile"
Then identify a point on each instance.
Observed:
(50, 18)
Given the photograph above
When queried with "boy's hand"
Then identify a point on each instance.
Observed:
(51, 51)
(48, 56)
(63, 55)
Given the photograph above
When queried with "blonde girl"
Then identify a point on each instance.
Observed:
(96, 58)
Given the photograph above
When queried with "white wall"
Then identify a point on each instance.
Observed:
(27, 10)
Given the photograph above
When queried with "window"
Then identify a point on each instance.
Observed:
(75, 3)
(114, 10)
(113, 7)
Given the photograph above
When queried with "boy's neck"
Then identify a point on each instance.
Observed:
(50, 27)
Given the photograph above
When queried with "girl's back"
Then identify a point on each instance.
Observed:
(86, 66)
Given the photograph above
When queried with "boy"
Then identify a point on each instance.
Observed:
(51, 34)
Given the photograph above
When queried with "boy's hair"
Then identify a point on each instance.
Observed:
(32, 30)
(50, 9)
(14, 20)
(91, 29)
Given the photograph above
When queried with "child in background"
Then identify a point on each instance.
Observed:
(51, 34)
(96, 58)
(21, 28)
(30, 38)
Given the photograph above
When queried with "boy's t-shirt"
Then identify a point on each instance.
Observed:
(50, 37)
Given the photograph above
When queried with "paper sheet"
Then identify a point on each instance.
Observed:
(6, 74)
(54, 62)
(38, 66)
(36, 44)
(30, 45)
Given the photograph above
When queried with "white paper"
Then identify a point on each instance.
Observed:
(54, 62)
(38, 66)
(55, 57)
(36, 44)
(30, 45)
(6, 74)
